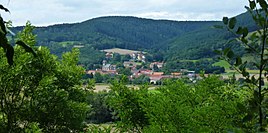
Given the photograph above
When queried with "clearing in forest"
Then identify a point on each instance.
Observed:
(122, 51)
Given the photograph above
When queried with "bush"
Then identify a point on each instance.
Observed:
(100, 111)
(207, 106)
(127, 105)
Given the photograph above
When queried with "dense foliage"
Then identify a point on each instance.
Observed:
(100, 113)
(41, 91)
(122, 32)
(207, 106)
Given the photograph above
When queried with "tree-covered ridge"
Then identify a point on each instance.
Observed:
(202, 43)
(114, 32)
(191, 39)
(123, 32)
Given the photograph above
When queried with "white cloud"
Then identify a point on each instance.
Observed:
(44, 12)
(182, 16)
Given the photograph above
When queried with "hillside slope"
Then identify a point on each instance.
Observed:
(201, 43)
(123, 32)
(169, 40)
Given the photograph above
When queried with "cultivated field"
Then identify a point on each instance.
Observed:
(121, 51)
(101, 87)
(106, 87)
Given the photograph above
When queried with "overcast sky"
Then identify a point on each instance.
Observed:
(47, 12)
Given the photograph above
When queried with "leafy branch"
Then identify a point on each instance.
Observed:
(254, 44)
(8, 48)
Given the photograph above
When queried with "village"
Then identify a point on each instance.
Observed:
(153, 72)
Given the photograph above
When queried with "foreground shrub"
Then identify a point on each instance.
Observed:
(207, 106)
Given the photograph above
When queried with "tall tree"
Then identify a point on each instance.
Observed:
(255, 44)
(41, 90)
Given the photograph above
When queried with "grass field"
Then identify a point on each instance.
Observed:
(101, 87)
(223, 63)
(250, 71)
(66, 43)
(228, 72)
(121, 51)
(196, 60)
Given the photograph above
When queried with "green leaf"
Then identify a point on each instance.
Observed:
(245, 32)
(26, 47)
(225, 51)
(230, 54)
(263, 4)
(245, 73)
(253, 79)
(245, 41)
(252, 4)
(240, 31)
(247, 8)
(10, 54)
(2, 25)
(3, 8)
(218, 52)
(3, 41)
(225, 20)
(232, 23)
(243, 66)
(238, 61)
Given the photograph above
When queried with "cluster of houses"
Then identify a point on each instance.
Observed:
(132, 64)
(106, 69)
(138, 56)
(135, 56)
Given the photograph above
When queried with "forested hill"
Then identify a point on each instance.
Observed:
(201, 43)
(123, 32)
(171, 39)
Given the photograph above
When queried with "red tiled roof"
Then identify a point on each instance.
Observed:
(158, 73)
